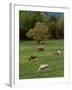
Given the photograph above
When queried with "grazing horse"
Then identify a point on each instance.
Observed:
(32, 57)
(40, 48)
(43, 67)
(58, 53)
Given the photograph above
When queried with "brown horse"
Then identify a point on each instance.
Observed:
(32, 57)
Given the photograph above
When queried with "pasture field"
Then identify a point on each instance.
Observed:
(29, 70)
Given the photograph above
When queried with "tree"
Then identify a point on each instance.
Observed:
(24, 23)
(60, 26)
(27, 20)
(45, 18)
(39, 32)
(52, 29)
(53, 19)
(56, 27)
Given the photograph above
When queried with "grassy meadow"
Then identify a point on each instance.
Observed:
(29, 70)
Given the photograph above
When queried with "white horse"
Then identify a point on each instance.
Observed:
(43, 67)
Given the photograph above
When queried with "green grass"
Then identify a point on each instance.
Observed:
(28, 70)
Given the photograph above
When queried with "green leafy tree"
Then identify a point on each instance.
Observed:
(27, 20)
(60, 26)
(52, 29)
(45, 19)
(39, 32)
(24, 23)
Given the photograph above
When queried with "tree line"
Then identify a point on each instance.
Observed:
(52, 25)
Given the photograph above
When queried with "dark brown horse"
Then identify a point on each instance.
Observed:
(32, 57)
